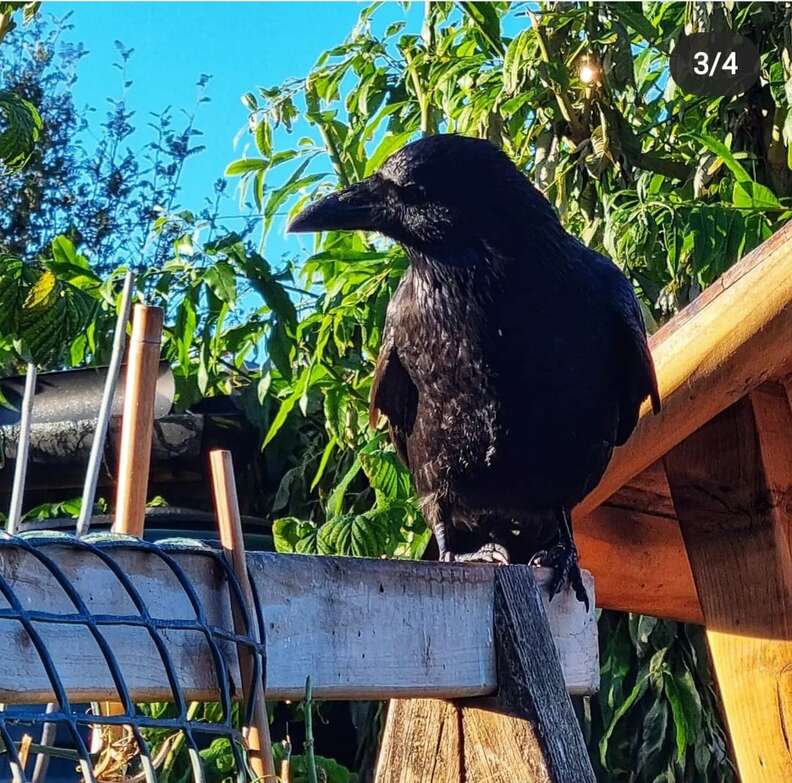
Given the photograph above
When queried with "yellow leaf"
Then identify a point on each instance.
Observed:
(42, 293)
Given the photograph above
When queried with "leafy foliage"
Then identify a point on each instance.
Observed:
(674, 187)
(656, 715)
(104, 199)
(22, 130)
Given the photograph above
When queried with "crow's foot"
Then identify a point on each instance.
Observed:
(564, 562)
(489, 553)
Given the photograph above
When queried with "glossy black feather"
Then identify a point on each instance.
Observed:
(514, 358)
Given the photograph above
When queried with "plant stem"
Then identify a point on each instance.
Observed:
(308, 745)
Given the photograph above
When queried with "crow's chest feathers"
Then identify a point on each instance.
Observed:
(446, 341)
(447, 320)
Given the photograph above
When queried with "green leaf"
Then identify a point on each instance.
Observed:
(651, 759)
(279, 347)
(385, 472)
(326, 454)
(12, 293)
(361, 535)
(22, 127)
(222, 281)
(263, 135)
(681, 732)
(752, 194)
(336, 500)
(63, 251)
(246, 166)
(385, 148)
(284, 488)
(186, 322)
(273, 293)
(637, 691)
(485, 17)
(290, 535)
(294, 184)
(287, 405)
(630, 14)
(726, 155)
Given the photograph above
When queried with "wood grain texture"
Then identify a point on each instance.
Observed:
(732, 487)
(708, 357)
(361, 628)
(500, 748)
(229, 522)
(527, 733)
(422, 743)
(531, 684)
(138, 420)
(639, 562)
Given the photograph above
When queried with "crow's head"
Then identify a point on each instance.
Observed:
(436, 195)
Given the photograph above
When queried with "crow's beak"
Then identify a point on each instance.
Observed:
(358, 206)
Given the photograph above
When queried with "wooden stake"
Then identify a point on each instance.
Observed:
(230, 525)
(137, 428)
(138, 422)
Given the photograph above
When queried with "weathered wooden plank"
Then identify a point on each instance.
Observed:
(528, 732)
(422, 743)
(531, 686)
(502, 748)
(361, 628)
(713, 353)
(732, 487)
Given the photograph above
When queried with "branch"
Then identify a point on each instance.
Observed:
(577, 129)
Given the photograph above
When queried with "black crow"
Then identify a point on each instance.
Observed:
(513, 360)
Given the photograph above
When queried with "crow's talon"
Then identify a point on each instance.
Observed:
(489, 553)
(566, 572)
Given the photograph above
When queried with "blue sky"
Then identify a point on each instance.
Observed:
(241, 45)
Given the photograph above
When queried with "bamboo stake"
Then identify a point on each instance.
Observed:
(138, 422)
(105, 408)
(230, 525)
(137, 428)
(23, 448)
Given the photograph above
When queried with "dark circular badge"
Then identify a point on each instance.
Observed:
(714, 64)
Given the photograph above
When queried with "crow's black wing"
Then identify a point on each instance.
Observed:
(393, 393)
(639, 381)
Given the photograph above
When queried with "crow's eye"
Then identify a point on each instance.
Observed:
(412, 193)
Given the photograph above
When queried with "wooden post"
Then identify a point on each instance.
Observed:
(230, 525)
(528, 733)
(137, 428)
(138, 420)
(732, 488)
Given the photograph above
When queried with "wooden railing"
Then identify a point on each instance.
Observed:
(693, 519)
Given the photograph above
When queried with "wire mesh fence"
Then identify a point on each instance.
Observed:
(85, 731)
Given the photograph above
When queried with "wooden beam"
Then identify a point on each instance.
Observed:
(338, 619)
(732, 487)
(529, 732)
(730, 339)
(639, 563)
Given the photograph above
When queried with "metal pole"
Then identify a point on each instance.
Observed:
(106, 408)
(23, 447)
